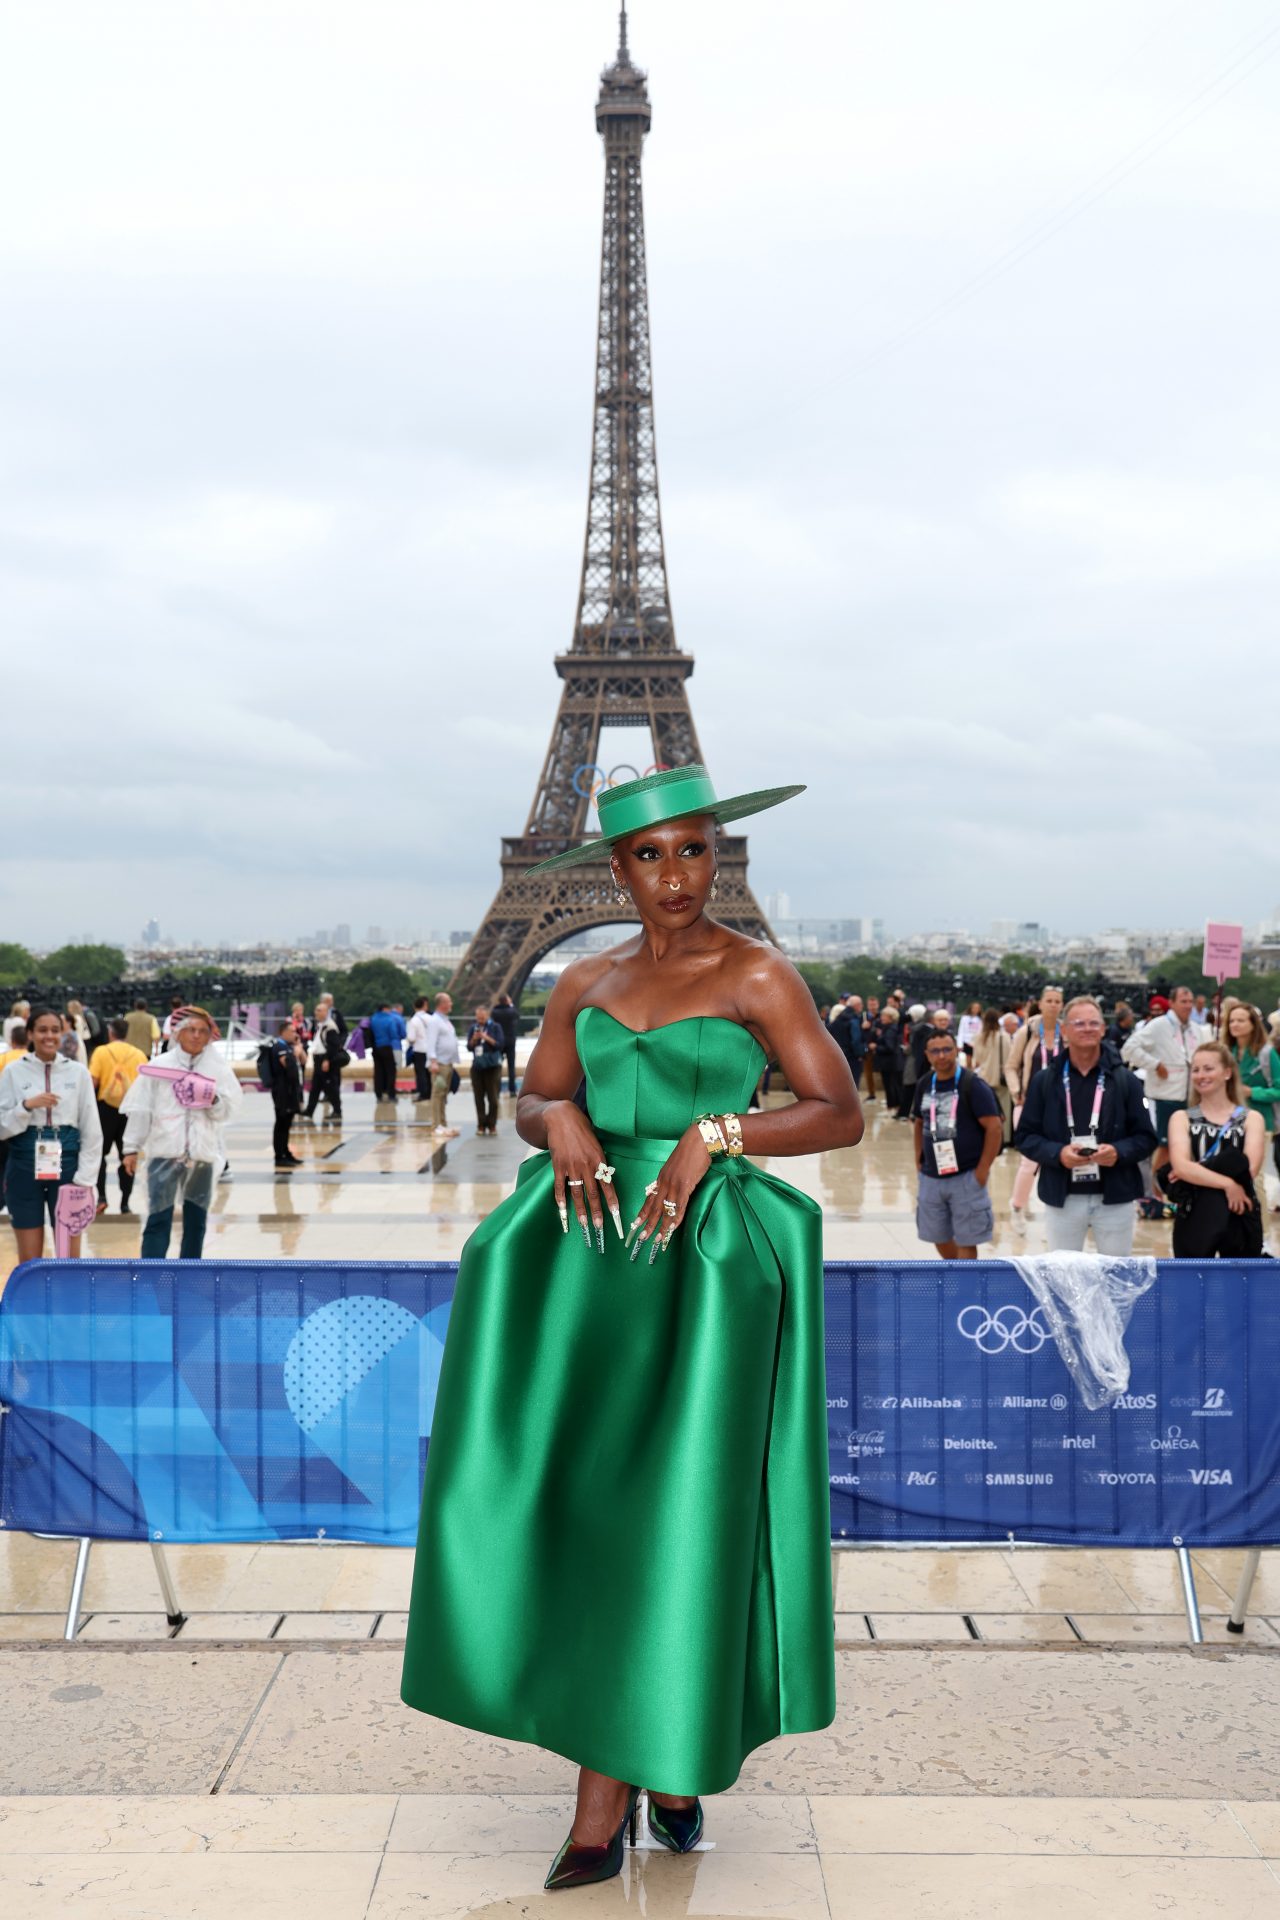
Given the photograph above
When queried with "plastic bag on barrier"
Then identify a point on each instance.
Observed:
(1086, 1300)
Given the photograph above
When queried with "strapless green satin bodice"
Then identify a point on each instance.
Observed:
(657, 1082)
(624, 1552)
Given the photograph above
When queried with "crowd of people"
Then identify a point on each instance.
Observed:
(1162, 1115)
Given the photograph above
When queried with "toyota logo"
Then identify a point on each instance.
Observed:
(1009, 1326)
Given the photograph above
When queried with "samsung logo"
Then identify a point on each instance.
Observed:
(1019, 1479)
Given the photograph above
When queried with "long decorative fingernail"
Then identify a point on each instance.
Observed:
(631, 1229)
(636, 1249)
(586, 1233)
(600, 1235)
(617, 1221)
(564, 1218)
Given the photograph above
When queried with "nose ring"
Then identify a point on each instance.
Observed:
(674, 885)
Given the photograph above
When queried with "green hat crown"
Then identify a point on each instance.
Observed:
(658, 797)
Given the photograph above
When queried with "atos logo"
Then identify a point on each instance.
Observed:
(915, 1479)
(1216, 1405)
(1211, 1477)
(1135, 1403)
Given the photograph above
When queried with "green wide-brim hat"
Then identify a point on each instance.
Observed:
(657, 798)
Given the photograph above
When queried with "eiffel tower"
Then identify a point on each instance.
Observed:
(623, 667)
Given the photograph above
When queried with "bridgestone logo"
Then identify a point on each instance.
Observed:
(1019, 1479)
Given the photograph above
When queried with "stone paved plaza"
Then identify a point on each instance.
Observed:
(1014, 1729)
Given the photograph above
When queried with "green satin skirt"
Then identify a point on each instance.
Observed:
(624, 1554)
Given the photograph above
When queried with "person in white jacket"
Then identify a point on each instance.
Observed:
(183, 1143)
(49, 1116)
(1162, 1050)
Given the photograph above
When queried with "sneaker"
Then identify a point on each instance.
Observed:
(286, 1166)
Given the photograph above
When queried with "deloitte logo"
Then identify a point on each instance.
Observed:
(1008, 1328)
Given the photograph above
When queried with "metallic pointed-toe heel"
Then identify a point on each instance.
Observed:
(576, 1866)
(679, 1828)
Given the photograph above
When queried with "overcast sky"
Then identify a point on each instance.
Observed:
(967, 429)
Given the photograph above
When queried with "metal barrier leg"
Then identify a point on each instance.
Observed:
(177, 1618)
(1189, 1600)
(1240, 1605)
(77, 1588)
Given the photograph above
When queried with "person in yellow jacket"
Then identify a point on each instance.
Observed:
(114, 1068)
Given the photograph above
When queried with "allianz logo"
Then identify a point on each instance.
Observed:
(1026, 1402)
(1216, 1405)
(1175, 1441)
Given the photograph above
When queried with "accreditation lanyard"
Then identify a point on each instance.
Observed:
(1184, 1034)
(1097, 1099)
(1233, 1119)
(1045, 1055)
(933, 1105)
(48, 1151)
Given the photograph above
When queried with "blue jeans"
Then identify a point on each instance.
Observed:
(155, 1235)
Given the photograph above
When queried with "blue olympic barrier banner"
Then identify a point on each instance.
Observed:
(952, 1416)
(223, 1401)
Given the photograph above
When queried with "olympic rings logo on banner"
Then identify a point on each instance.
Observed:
(1009, 1326)
(590, 779)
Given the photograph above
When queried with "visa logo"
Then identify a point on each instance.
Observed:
(1211, 1477)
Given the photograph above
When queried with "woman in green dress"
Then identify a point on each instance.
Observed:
(624, 1552)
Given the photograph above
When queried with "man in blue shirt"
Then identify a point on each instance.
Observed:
(957, 1130)
(388, 1031)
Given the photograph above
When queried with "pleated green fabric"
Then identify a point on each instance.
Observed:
(624, 1549)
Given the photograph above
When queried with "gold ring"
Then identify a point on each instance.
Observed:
(669, 1206)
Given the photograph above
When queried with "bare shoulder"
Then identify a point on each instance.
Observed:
(582, 980)
(762, 976)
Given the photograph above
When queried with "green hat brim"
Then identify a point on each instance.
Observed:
(736, 807)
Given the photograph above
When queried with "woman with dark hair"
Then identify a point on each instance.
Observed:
(1216, 1150)
(49, 1116)
(625, 1539)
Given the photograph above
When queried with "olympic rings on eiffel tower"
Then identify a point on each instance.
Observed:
(589, 780)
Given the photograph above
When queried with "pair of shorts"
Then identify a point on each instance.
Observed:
(30, 1201)
(956, 1208)
(1165, 1110)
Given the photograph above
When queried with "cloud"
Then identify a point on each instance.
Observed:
(296, 363)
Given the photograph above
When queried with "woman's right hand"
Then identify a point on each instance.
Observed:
(575, 1156)
(39, 1101)
(1237, 1199)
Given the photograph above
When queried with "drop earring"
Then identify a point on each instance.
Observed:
(620, 893)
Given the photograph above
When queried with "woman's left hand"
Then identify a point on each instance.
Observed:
(687, 1166)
